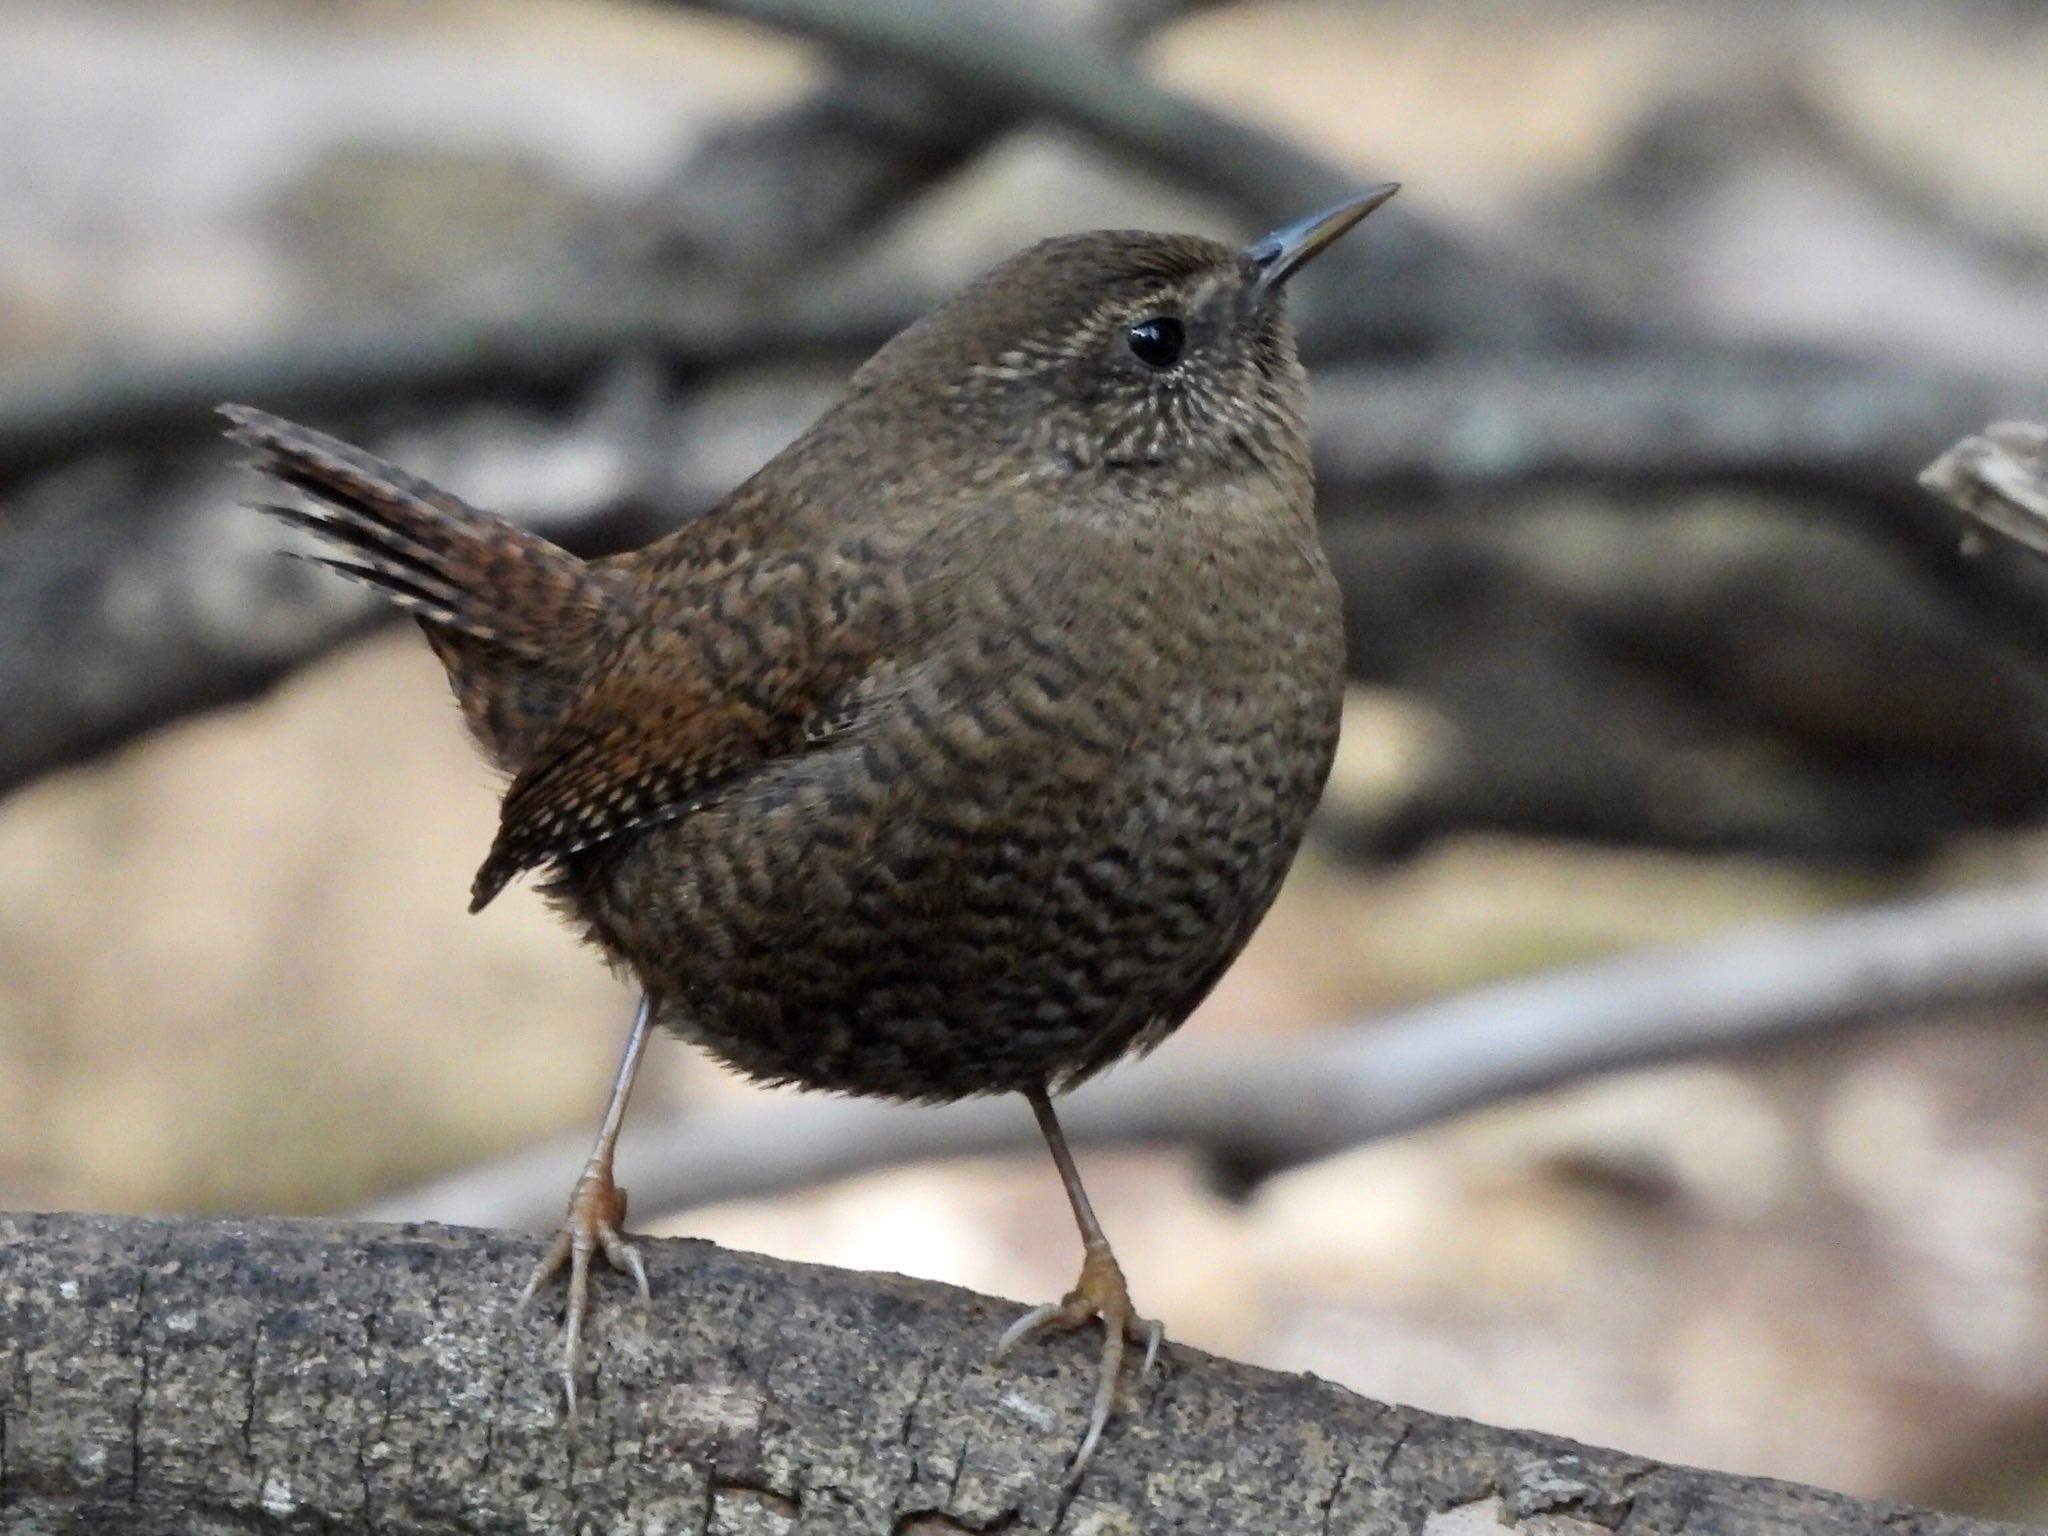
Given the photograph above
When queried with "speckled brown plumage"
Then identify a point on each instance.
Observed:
(962, 747)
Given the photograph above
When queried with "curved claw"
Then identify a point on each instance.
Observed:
(1155, 1335)
(1108, 1373)
(1100, 1293)
(1029, 1326)
(593, 1225)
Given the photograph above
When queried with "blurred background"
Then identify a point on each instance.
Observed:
(1619, 408)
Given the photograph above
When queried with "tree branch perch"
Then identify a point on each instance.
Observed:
(273, 1375)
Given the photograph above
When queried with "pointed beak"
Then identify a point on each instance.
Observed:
(1292, 246)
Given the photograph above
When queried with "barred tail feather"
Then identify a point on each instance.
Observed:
(515, 619)
(453, 565)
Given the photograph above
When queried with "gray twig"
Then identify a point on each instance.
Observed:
(1999, 478)
(1265, 1110)
(1427, 290)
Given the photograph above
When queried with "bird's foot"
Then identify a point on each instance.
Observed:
(1099, 1293)
(593, 1226)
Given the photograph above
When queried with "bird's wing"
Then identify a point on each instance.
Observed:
(739, 660)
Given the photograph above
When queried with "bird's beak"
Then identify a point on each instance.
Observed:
(1290, 247)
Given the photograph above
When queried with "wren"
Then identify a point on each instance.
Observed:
(956, 752)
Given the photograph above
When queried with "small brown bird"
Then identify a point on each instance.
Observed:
(960, 749)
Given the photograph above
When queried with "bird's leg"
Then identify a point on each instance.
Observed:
(597, 1216)
(1100, 1292)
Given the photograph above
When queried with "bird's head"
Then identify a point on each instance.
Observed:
(1117, 352)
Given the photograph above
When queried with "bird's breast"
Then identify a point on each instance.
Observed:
(1037, 842)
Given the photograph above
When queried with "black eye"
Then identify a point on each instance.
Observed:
(1157, 342)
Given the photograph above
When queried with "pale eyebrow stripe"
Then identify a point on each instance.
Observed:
(1204, 291)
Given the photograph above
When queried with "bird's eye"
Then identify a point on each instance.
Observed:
(1157, 342)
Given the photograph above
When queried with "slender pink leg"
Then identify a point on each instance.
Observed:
(597, 1216)
(1100, 1292)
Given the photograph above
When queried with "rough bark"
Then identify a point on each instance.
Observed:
(206, 1376)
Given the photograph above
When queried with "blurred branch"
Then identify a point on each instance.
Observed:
(1258, 1111)
(112, 623)
(1698, 412)
(2000, 479)
(1427, 291)
(1035, 73)
(856, 147)
(130, 595)
(761, 196)
(753, 202)
(63, 409)
(317, 1375)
